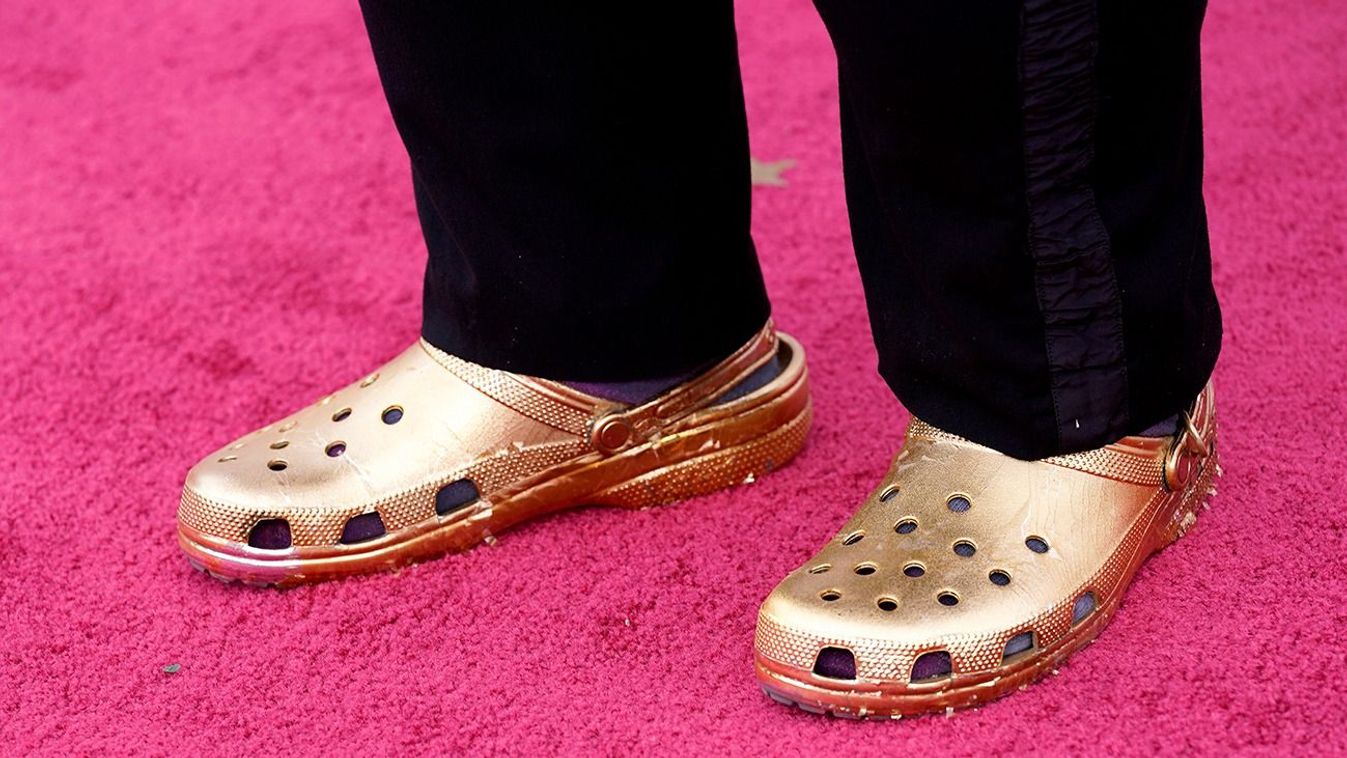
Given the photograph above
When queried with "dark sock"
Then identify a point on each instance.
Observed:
(637, 391)
(1163, 429)
(642, 390)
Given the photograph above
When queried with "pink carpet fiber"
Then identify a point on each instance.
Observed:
(205, 222)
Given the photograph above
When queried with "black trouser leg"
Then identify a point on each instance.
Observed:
(581, 175)
(1024, 182)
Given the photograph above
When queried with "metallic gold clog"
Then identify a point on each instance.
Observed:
(968, 574)
(432, 454)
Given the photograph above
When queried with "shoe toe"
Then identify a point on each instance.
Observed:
(382, 445)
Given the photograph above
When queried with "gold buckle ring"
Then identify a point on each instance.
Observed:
(1185, 453)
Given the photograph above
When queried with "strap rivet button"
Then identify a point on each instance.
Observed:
(612, 433)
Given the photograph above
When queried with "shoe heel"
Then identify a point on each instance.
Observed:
(1196, 497)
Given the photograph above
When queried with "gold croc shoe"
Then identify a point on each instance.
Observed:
(432, 454)
(968, 574)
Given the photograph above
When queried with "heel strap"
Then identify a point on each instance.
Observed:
(624, 428)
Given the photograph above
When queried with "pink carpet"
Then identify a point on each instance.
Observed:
(205, 220)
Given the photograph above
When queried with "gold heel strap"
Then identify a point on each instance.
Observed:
(622, 429)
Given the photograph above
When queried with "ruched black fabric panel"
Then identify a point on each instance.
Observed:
(1074, 276)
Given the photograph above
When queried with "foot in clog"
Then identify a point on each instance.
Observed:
(432, 454)
(968, 574)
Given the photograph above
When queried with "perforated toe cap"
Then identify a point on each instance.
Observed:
(964, 558)
(386, 445)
